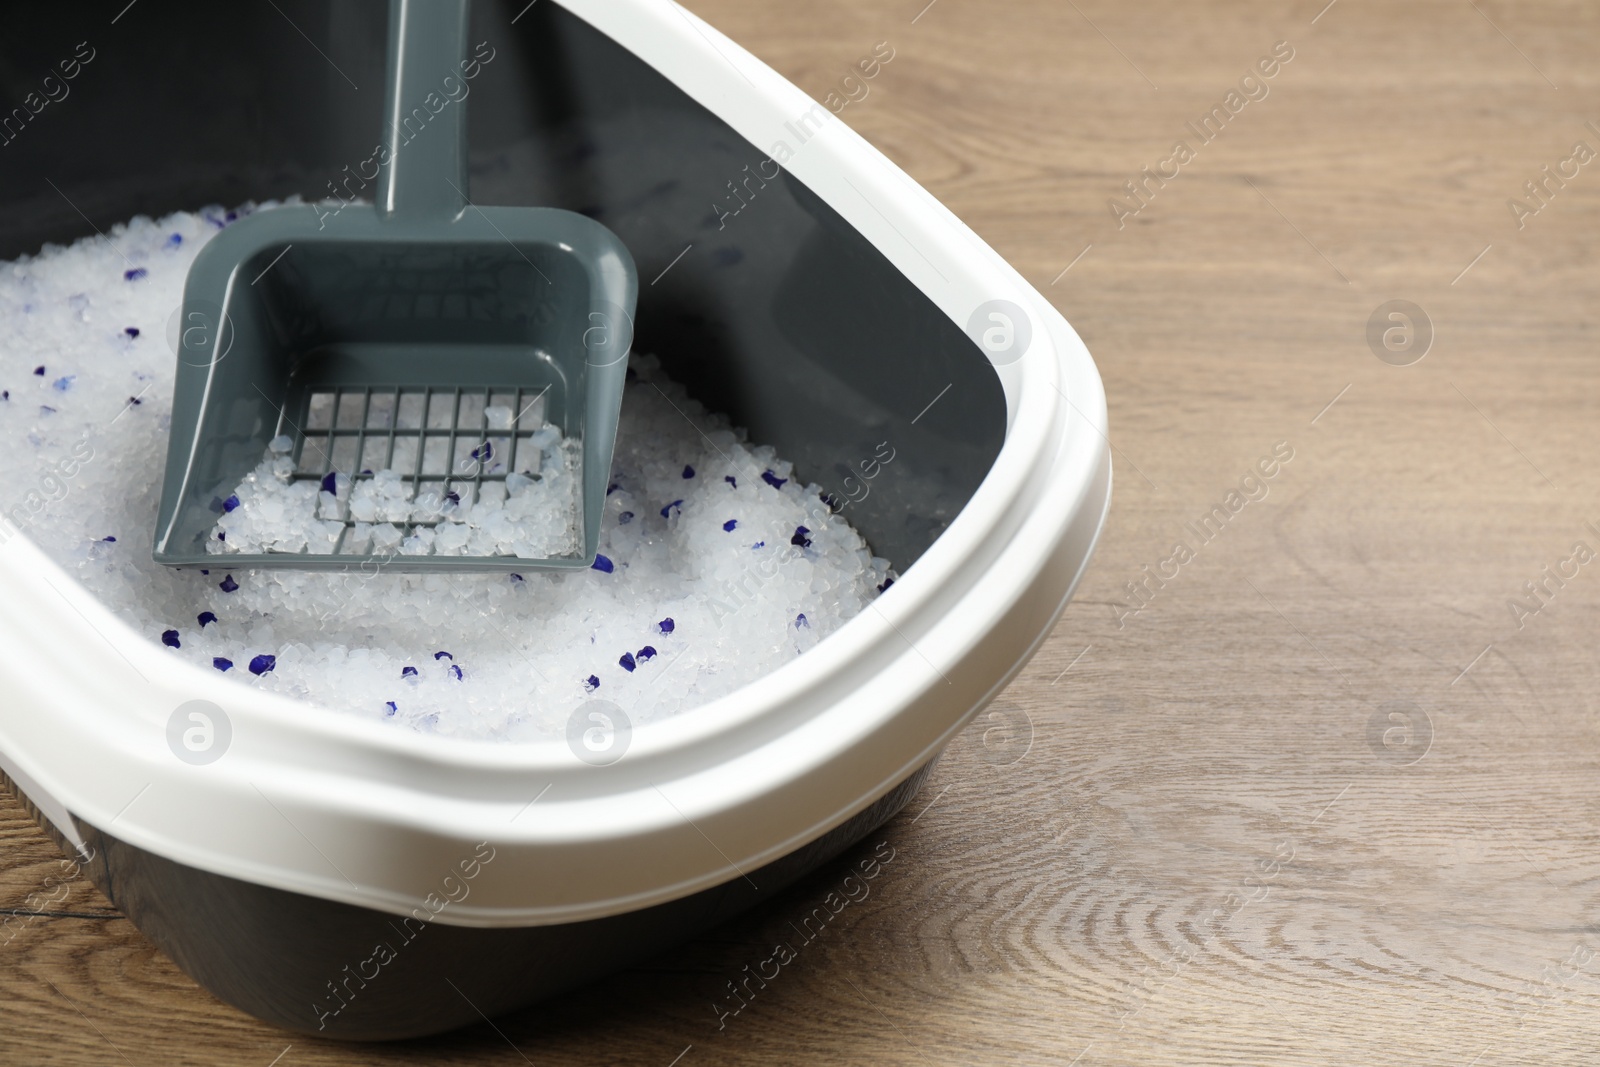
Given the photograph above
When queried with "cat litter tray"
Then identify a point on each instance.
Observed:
(791, 277)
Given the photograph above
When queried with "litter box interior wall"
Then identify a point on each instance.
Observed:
(755, 294)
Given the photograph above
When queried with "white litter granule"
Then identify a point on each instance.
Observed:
(716, 566)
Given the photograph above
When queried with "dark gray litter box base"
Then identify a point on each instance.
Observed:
(298, 961)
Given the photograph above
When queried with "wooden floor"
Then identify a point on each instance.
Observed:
(1327, 797)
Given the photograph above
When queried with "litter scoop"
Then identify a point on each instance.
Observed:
(453, 356)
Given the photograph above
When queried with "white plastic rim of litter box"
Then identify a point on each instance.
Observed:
(325, 804)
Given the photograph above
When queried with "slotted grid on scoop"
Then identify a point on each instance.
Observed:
(437, 438)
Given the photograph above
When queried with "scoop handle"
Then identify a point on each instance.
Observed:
(425, 177)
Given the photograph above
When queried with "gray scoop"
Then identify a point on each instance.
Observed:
(334, 327)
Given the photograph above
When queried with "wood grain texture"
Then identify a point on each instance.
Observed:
(1176, 841)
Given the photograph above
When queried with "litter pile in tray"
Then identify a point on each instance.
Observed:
(716, 566)
(513, 488)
